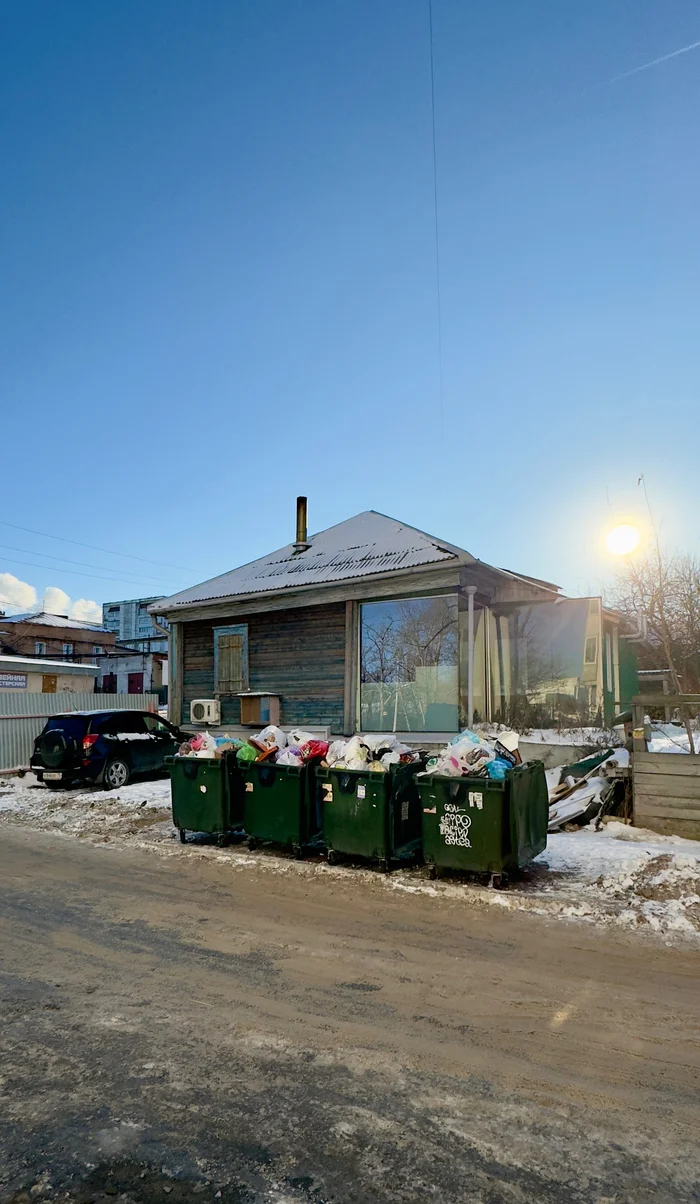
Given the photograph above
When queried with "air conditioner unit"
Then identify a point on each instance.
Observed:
(205, 710)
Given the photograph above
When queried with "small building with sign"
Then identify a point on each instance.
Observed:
(31, 675)
(56, 637)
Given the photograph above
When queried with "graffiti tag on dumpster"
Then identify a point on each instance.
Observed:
(454, 826)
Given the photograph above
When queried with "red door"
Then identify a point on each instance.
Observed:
(135, 685)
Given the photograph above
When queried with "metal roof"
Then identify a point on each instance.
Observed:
(103, 711)
(361, 546)
(44, 619)
(65, 666)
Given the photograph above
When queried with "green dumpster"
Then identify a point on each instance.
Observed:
(484, 826)
(201, 794)
(370, 814)
(278, 804)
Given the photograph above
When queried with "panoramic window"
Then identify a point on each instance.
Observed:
(408, 666)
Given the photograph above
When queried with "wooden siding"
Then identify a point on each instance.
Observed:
(298, 654)
(667, 793)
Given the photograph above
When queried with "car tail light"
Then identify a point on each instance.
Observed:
(88, 742)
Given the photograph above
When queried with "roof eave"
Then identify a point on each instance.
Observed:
(188, 609)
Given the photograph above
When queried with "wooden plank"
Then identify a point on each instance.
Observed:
(652, 803)
(667, 812)
(653, 786)
(351, 668)
(175, 689)
(298, 654)
(673, 764)
(671, 827)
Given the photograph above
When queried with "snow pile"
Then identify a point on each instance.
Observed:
(577, 737)
(101, 814)
(628, 875)
(664, 891)
(671, 738)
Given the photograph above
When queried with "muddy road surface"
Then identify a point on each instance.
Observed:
(181, 1030)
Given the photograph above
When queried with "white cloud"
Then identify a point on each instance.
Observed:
(18, 595)
(56, 601)
(86, 609)
(15, 593)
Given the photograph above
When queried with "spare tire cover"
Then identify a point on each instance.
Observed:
(54, 746)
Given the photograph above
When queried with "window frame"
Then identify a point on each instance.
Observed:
(430, 595)
(590, 639)
(68, 648)
(40, 647)
(232, 629)
(98, 649)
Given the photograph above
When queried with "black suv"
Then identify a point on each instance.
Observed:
(102, 747)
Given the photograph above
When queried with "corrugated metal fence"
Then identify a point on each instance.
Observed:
(22, 717)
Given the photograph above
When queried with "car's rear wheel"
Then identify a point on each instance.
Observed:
(117, 773)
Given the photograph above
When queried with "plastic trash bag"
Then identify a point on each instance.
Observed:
(270, 738)
(247, 753)
(467, 734)
(497, 769)
(336, 753)
(298, 737)
(314, 750)
(289, 756)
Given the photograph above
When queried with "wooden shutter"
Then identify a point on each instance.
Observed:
(231, 660)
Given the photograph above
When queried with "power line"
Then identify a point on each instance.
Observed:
(437, 223)
(93, 547)
(64, 560)
(74, 572)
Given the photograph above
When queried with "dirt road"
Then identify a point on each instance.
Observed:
(183, 1030)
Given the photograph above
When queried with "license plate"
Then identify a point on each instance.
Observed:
(53, 777)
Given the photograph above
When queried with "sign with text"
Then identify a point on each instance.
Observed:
(13, 681)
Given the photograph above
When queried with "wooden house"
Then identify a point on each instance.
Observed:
(373, 625)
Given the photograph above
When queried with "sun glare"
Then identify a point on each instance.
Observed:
(622, 540)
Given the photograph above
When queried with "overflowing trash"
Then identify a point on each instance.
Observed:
(472, 755)
(206, 745)
(279, 748)
(376, 754)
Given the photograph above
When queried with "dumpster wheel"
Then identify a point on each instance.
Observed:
(332, 857)
(296, 850)
(183, 835)
(252, 843)
(497, 881)
(383, 865)
(222, 840)
(432, 872)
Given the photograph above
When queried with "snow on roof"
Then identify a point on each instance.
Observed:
(358, 547)
(47, 620)
(15, 662)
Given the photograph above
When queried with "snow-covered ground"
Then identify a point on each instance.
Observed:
(671, 738)
(619, 875)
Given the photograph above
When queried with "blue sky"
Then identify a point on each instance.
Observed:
(217, 280)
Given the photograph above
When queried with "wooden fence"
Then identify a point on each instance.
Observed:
(666, 785)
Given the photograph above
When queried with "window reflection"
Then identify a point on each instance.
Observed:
(409, 665)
